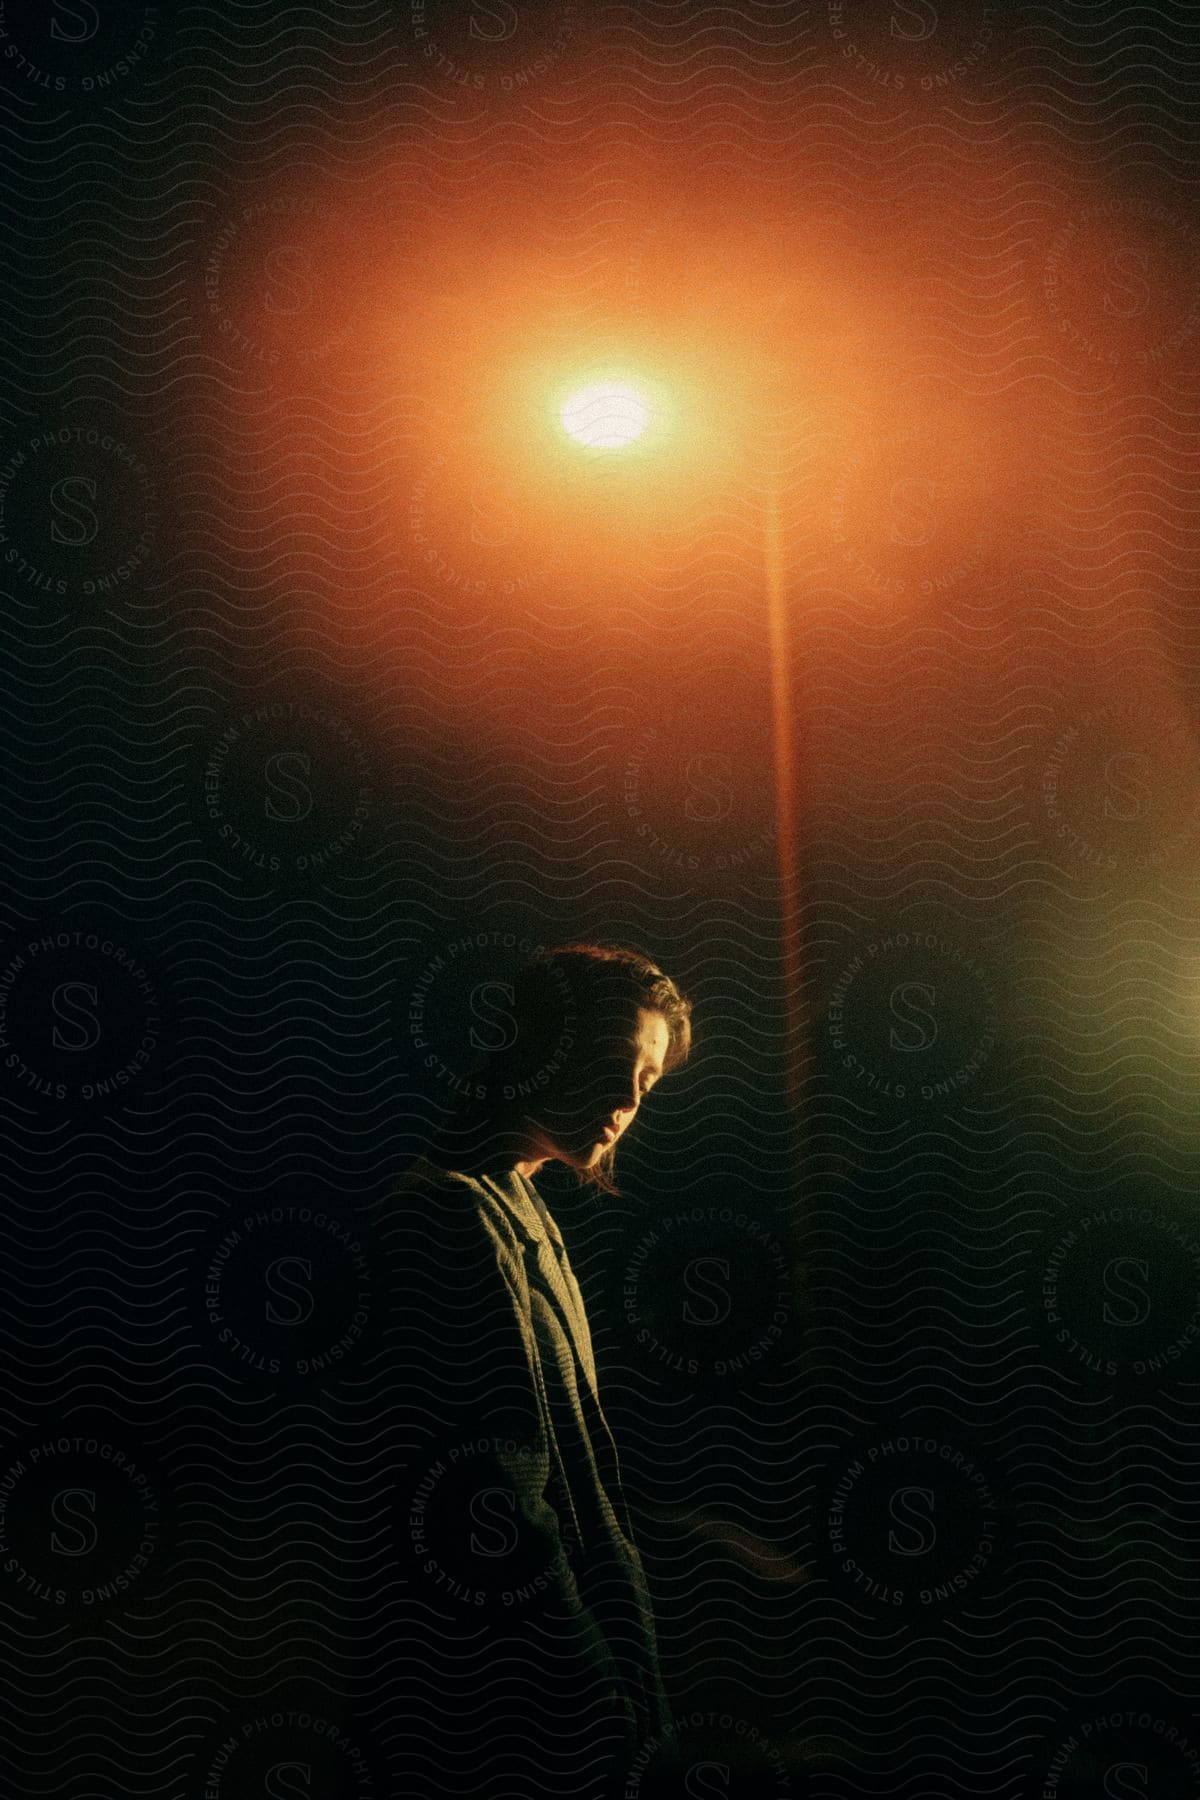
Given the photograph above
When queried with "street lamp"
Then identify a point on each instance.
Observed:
(606, 415)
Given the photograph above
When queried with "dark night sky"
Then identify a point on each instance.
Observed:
(329, 689)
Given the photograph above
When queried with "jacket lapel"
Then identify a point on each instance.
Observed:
(556, 1277)
(544, 1246)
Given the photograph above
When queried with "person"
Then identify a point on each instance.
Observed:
(536, 1663)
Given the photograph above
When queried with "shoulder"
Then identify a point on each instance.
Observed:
(447, 1206)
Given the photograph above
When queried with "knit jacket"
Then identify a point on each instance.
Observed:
(531, 1626)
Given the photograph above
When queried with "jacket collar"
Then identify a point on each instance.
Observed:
(525, 1204)
(517, 1194)
(519, 1197)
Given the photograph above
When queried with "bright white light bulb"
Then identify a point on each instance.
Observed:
(605, 416)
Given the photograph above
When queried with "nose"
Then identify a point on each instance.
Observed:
(625, 1109)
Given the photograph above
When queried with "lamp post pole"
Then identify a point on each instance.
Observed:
(784, 751)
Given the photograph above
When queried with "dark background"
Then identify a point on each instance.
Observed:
(907, 1410)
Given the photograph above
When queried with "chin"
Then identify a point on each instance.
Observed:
(589, 1156)
(586, 1156)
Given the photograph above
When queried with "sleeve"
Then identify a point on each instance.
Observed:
(513, 1661)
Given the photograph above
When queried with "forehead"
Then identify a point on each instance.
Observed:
(644, 1033)
(652, 1034)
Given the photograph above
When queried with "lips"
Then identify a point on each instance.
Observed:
(609, 1135)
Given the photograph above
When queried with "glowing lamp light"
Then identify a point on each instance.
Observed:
(605, 416)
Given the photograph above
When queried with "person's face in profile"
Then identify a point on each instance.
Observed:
(598, 1098)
